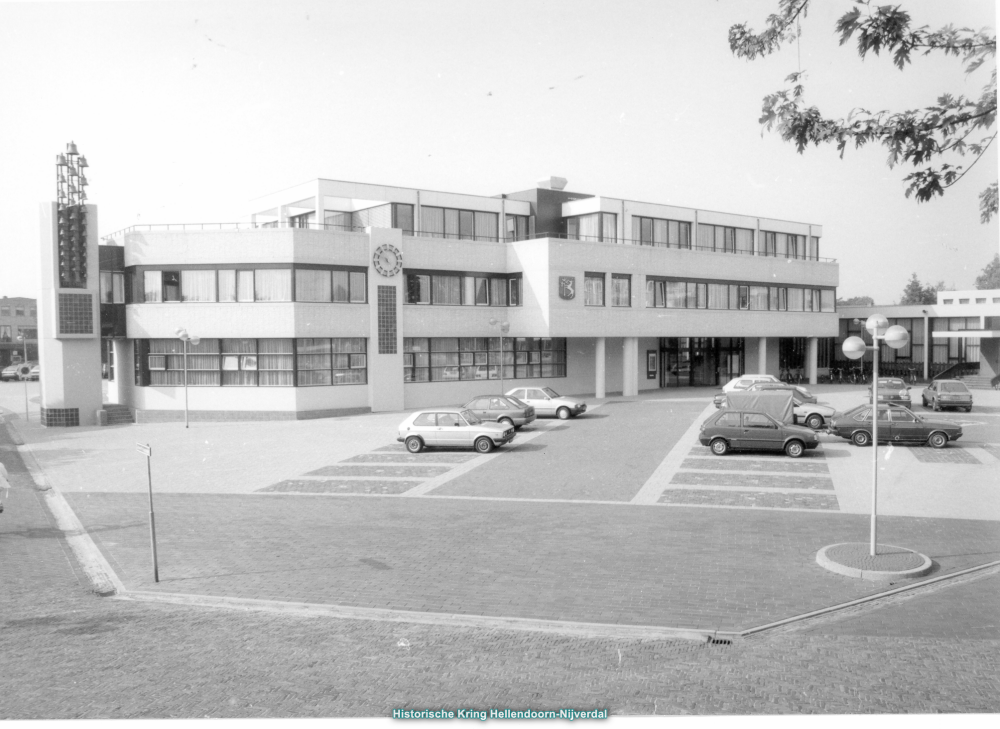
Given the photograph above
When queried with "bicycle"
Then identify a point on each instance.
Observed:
(913, 375)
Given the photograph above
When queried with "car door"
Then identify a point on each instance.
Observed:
(728, 425)
(905, 428)
(761, 432)
(541, 402)
(425, 425)
(449, 429)
(481, 407)
(499, 407)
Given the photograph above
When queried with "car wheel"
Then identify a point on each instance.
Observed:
(923, 401)
(937, 440)
(815, 421)
(720, 447)
(968, 409)
(484, 445)
(563, 413)
(506, 421)
(861, 438)
(414, 444)
(794, 448)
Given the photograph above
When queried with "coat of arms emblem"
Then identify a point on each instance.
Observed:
(567, 287)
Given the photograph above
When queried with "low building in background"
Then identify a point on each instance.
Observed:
(18, 317)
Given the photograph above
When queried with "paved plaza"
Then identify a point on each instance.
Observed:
(611, 536)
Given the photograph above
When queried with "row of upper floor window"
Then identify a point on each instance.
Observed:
(979, 300)
(462, 289)
(669, 293)
(11, 333)
(438, 222)
(18, 310)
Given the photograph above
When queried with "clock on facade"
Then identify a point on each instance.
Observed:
(387, 260)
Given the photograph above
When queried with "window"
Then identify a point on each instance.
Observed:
(4, 311)
(198, 285)
(718, 296)
(464, 224)
(947, 301)
(963, 301)
(621, 289)
(596, 227)
(676, 294)
(828, 299)
(5, 332)
(272, 284)
(171, 285)
(517, 227)
(593, 289)
(656, 293)
(312, 285)
(756, 420)
(728, 420)
(330, 285)
(758, 298)
(455, 289)
(402, 217)
(661, 233)
(18, 311)
(479, 358)
(28, 332)
(725, 239)
(331, 361)
(239, 362)
(980, 301)
(744, 297)
(112, 288)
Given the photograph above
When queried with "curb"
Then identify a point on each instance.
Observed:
(826, 562)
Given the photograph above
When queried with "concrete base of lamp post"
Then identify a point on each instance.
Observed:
(854, 559)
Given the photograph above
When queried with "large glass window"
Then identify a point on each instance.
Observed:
(517, 227)
(758, 298)
(272, 284)
(442, 359)
(463, 224)
(596, 227)
(454, 289)
(331, 361)
(312, 285)
(593, 289)
(660, 232)
(112, 287)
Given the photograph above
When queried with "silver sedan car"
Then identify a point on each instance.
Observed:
(547, 401)
(452, 428)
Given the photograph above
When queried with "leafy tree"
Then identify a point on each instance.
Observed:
(990, 277)
(929, 136)
(917, 293)
(857, 301)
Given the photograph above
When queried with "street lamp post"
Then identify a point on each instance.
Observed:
(183, 335)
(24, 340)
(855, 348)
(504, 329)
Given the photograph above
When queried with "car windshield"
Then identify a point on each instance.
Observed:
(470, 417)
(550, 392)
(953, 387)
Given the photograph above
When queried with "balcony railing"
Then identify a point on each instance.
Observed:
(152, 227)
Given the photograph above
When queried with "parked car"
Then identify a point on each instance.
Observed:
(805, 408)
(743, 383)
(892, 390)
(19, 371)
(731, 429)
(896, 424)
(547, 401)
(947, 394)
(33, 374)
(454, 428)
(502, 409)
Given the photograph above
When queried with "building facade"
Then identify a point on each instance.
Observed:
(340, 297)
(18, 326)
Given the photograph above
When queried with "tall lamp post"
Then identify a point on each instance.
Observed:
(855, 348)
(183, 335)
(504, 329)
(24, 340)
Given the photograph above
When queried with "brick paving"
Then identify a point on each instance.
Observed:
(950, 454)
(340, 486)
(748, 498)
(886, 559)
(753, 480)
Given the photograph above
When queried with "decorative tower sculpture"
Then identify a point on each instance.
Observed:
(69, 333)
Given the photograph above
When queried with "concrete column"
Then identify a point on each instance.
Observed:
(320, 211)
(812, 357)
(927, 347)
(630, 366)
(762, 356)
(599, 368)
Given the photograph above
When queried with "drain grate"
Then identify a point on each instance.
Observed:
(720, 641)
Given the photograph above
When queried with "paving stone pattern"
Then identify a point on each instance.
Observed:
(886, 559)
(749, 498)
(747, 465)
(369, 470)
(949, 454)
(340, 486)
(753, 480)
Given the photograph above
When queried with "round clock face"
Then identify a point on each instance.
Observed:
(387, 260)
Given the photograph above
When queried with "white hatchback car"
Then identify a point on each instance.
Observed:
(547, 401)
(454, 428)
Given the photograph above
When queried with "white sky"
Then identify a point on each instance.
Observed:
(187, 111)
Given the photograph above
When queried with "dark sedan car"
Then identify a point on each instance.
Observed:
(501, 408)
(896, 424)
(751, 430)
(891, 390)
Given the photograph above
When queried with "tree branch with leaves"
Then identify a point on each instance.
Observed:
(917, 136)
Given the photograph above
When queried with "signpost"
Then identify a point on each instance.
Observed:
(145, 450)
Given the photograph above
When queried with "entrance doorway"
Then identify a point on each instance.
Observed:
(699, 361)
